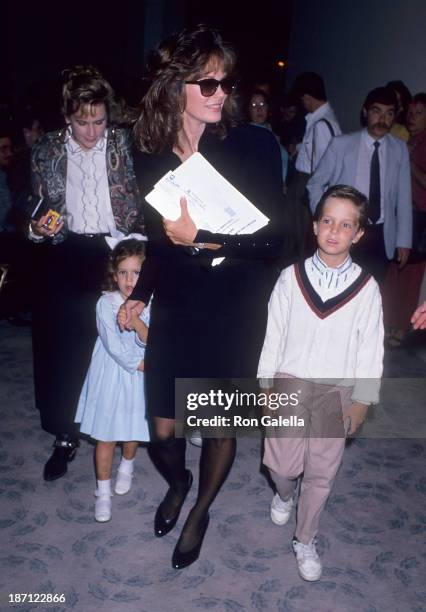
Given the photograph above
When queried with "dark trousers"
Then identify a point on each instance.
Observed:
(419, 234)
(370, 254)
(67, 286)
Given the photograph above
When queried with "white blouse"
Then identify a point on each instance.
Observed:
(88, 202)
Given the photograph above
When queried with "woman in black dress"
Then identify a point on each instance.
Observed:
(206, 321)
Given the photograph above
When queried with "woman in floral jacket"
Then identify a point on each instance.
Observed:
(84, 190)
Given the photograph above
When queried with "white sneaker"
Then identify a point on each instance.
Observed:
(195, 438)
(102, 508)
(308, 561)
(123, 482)
(280, 510)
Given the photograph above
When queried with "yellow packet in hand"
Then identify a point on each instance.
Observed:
(52, 219)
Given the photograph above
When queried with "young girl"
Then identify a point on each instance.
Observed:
(324, 323)
(111, 405)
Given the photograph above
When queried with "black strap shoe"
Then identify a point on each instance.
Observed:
(183, 559)
(64, 451)
(163, 526)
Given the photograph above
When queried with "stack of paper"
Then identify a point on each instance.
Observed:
(213, 203)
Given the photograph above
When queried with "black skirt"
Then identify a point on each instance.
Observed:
(67, 285)
(206, 323)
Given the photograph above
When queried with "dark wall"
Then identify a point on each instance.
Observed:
(357, 46)
(259, 31)
(45, 37)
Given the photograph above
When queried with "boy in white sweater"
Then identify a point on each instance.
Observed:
(325, 322)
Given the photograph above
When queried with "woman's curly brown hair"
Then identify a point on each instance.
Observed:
(183, 56)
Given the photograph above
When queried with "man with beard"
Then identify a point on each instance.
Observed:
(377, 164)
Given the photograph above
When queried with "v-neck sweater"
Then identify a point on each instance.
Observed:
(338, 339)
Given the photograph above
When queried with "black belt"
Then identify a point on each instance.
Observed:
(102, 235)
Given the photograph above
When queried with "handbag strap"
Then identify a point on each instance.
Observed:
(330, 127)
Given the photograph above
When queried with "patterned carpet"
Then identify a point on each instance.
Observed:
(372, 539)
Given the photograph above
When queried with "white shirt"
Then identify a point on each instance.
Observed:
(88, 202)
(345, 344)
(329, 282)
(362, 179)
(317, 133)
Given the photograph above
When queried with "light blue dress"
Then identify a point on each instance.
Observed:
(112, 404)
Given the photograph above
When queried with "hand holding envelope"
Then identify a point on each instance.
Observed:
(211, 203)
(183, 230)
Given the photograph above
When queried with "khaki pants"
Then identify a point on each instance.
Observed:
(308, 451)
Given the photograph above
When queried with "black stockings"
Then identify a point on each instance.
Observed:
(168, 457)
(217, 457)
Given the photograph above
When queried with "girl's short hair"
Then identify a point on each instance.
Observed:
(182, 57)
(345, 192)
(86, 86)
(121, 251)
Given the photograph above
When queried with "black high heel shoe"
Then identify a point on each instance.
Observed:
(163, 526)
(183, 559)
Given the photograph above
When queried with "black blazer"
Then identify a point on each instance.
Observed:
(210, 321)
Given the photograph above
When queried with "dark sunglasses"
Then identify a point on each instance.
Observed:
(208, 87)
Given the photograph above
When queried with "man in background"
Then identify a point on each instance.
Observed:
(377, 164)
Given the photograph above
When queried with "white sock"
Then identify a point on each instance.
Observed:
(104, 487)
(126, 465)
